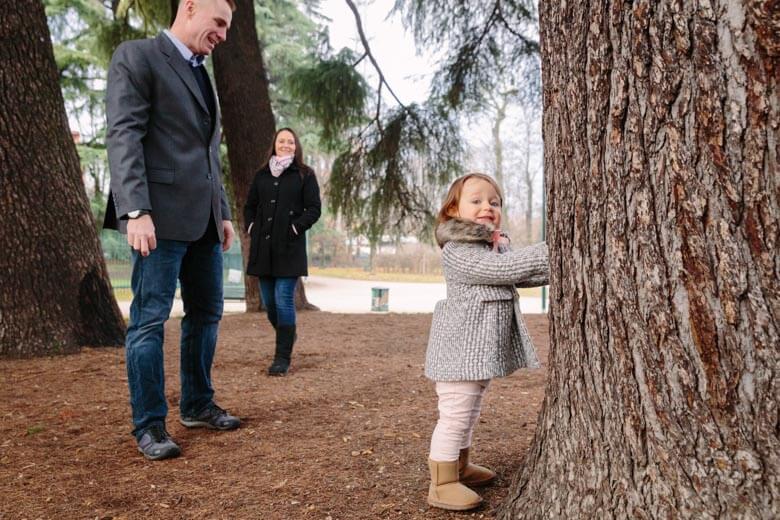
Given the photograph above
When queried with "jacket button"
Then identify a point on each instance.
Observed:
(270, 219)
(273, 201)
(267, 237)
(276, 183)
(208, 176)
(291, 213)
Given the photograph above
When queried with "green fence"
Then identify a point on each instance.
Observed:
(119, 267)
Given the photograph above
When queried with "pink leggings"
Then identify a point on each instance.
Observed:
(459, 405)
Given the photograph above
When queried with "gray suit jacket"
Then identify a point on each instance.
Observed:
(162, 151)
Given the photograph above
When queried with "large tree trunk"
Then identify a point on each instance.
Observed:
(247, 118)
(248, 123)
(662, 133)
(55, 294)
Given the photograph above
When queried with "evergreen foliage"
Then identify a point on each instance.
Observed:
(387, 182)
(344, 105)
(484, 42)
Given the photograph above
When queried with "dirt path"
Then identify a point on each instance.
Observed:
(345, 436)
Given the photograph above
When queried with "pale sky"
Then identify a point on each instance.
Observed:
(393, 47)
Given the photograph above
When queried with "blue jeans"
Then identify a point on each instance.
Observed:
(279, 299)
(198, 266)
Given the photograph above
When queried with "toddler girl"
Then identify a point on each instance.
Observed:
(477, 332)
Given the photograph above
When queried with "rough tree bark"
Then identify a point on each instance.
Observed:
(248, 123)
(55, 295)
(662, 133)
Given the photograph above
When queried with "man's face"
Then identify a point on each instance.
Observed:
(208, 24)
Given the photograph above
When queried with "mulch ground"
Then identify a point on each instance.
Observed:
(344, 436)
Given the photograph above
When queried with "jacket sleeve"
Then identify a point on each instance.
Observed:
(225, 205)
(128, 107)
(250, 208)
(312, 205)
(475, 265)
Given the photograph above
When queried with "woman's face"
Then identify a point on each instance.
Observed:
(480, 203)
(285, 144)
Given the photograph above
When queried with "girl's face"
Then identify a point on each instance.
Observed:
(285, 144)
(480, 203)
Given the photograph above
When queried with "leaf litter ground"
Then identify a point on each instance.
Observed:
(344, 436)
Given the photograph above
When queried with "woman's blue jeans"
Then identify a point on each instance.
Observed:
(279, 299)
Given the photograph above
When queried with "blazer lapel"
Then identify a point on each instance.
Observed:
(182, 68)
(217, 114)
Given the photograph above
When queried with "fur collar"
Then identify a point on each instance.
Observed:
(457, 230)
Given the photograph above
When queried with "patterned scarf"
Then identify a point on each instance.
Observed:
(279, 164)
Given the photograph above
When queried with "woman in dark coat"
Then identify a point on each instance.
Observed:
(282, 204)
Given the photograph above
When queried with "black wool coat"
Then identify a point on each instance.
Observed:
(273, 206)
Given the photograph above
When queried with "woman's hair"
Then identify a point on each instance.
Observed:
(453, 195)
(297, 157)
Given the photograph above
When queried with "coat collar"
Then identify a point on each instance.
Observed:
(292, 168)
(458, 230)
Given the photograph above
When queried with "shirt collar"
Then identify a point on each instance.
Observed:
(193, 59)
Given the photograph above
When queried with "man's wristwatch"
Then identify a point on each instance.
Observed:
(137, 213)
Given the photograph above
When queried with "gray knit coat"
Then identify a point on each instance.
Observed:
(478, 332)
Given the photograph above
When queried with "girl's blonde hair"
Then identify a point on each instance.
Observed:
(453, 195)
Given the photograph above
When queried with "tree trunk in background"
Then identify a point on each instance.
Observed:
(247, 118)
(248, 123)
(528, 180)
(498, 149)
(55, 294)
(662, 133)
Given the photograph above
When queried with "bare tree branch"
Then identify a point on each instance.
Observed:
(367, 48)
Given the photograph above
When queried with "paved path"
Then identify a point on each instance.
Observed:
(354, 296)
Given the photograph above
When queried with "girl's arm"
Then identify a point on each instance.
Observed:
(525, 267)
(535, 281)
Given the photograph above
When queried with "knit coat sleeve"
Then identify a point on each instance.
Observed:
(477, 265)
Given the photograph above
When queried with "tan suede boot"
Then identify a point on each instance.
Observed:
(446, 492)
(472, 474)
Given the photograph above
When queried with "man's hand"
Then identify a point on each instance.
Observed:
(140, 234)
(227, 230)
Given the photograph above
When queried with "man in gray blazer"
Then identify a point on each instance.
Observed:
(167, 196)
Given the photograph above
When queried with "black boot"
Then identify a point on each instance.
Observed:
(271, 315)
(285, 337)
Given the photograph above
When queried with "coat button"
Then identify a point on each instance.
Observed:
(267, 237)
(270, 219)
(208, 176)
(276, 183)
(291, 212)
(273, 201)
